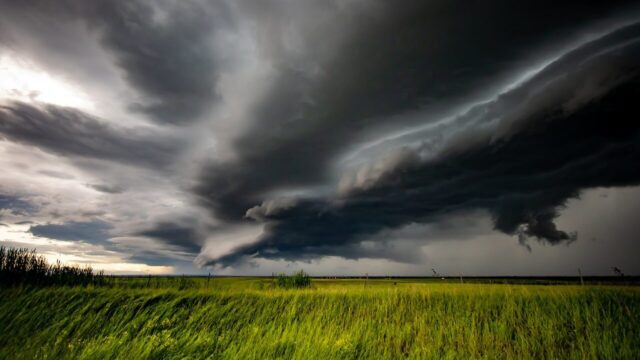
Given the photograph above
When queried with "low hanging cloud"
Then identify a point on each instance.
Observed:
(389, 60)
(70, 132)
(569, 128)
(181, 237)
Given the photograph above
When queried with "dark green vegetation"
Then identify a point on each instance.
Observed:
(298, 280)
(24, 267)
(251, 318)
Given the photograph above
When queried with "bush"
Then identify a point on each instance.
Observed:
(26, 267)
(297, 280)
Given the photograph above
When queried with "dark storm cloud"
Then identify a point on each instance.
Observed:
(181, 237)
(391, 58)
(572, 127)
(71, 132)
(93, 232)
(165, 48)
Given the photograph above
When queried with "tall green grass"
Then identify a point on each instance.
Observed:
(26, 267)
(249, 318)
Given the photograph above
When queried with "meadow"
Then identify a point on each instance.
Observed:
(252, 318)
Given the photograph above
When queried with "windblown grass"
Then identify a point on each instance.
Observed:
(245, 318)
(24, 267)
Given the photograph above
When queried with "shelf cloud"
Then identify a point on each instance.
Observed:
(228, 134)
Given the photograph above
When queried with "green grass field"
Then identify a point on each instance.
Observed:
(247, 318)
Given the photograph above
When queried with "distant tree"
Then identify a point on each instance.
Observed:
(617, 271)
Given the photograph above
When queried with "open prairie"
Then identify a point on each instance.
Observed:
(250, 318)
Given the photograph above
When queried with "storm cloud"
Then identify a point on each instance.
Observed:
(521, 157)
(165, 49)
(176, 66)
(389, 60)
(245, 133)
(181, 237)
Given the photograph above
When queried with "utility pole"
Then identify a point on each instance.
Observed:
(581, 280)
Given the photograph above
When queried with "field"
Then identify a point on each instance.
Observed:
(248, 318)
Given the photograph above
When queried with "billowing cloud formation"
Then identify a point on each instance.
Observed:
(520, 156)
(421, 55)
(224, 131)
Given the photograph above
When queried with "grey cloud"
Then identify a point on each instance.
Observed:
(94, 232)
(13, 202)
(390, 59)
(71, 132)
(16, 204)
(181, 237)
(108, 189)
(156, 259)
(578, 78)
(521, 179)
(270, 208)
(166, 49)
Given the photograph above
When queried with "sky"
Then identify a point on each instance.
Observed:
(341, 137)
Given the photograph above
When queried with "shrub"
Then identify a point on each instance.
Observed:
(26, 267)
(299, 279)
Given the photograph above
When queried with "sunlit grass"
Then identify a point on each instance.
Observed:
(250, 318)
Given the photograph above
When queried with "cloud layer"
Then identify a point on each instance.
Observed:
(237, 132)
